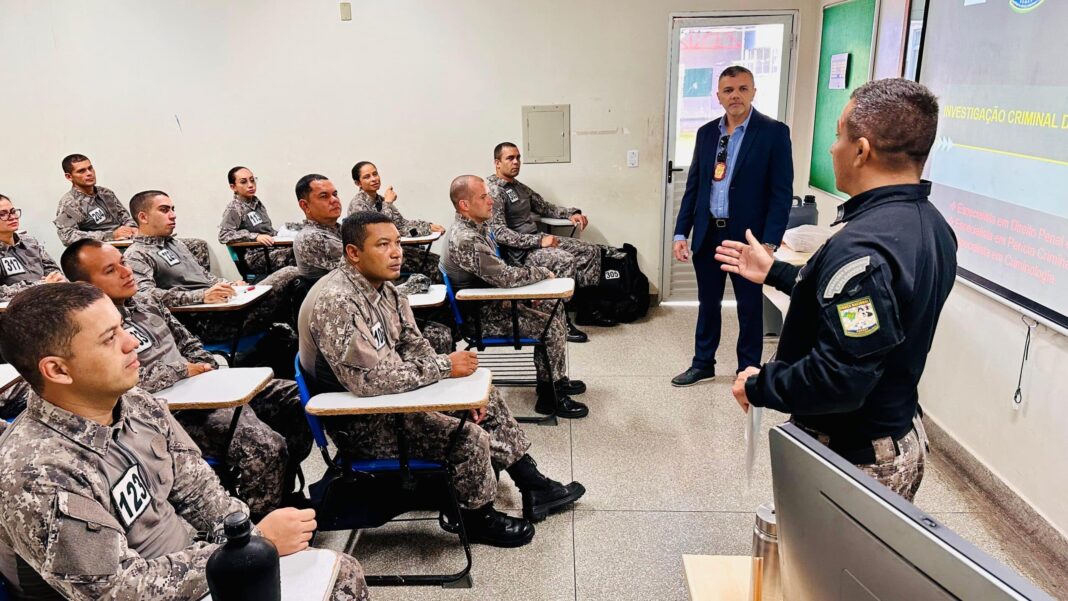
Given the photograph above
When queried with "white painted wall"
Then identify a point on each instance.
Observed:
(170, 96)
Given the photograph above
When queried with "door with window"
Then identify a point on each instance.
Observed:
(701, 48)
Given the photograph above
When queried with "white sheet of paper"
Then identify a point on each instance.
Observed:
(284, 232)
(752, 432)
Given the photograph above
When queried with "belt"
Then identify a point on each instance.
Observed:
(864, 455)
(719, 223)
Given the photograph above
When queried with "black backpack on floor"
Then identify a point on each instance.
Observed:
(623, 293)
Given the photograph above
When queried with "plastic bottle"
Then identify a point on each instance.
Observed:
(245, 568)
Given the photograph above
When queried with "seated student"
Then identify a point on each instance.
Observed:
(267, 453)
(91, 211)
(102, 493)
(23, 260)
(471, 261)
(318, 245)
(365, 176)
(245, 219)
(358, 334)
(517, 233)
(164, 268)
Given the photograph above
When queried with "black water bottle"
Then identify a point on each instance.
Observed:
(246, 567)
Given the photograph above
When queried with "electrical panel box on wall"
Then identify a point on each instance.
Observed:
(547, 133)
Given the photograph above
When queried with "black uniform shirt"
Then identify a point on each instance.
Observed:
(862, 317)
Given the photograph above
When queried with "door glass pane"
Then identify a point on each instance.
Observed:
(704, 52)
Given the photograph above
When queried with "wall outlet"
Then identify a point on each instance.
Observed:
(632, 158)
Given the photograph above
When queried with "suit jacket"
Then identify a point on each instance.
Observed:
(761, 185)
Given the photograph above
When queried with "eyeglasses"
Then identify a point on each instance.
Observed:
(722, 156)
(12, 213)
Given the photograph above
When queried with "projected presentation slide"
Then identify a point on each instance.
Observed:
(1000, 162)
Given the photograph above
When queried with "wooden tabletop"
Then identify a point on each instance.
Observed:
(307, 576)
(554, 288)
(217, 389)
(450, 394)
(435, 297)
(792, 256)
(3, 306)
(246, 295)
(278, 241)
(432, 236)
(8, 376)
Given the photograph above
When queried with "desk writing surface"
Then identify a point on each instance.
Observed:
(792, 256)
(450, 394)
(556, 221)
(120, 243)
(278, 241)
(306, 576)
(3, 306)
(554, 288)
(718, 577)
(245, 296)
(434, 297)
(217, 389)
(432, 236)
(8, 376)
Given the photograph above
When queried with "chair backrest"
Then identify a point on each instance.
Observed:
(313, 421)
(451, 295)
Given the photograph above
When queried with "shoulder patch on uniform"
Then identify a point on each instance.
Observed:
(844, 274)
(858, 318)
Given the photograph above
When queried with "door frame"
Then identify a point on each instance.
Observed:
(667, 216)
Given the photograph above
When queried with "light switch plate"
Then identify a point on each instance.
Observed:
(632, 158)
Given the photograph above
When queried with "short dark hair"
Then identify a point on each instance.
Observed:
(70, 159)
(2, 197)
(735, 71)
(899, 118)
(140, 201)
(303, 188)
(498, 149)
(459, 187)
(354, 227)
(40, 323)
(233, 170)
(71, 260)
(356, 169)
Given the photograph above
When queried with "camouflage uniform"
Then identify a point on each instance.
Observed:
(22, 265)
(242, 221)
(425, 263)
(317, 249)
(356, 338)
(98, 216)
(515, 229)
(471, 261)
(118, 512)
(164, 268)
(264, 454)
(13, 401)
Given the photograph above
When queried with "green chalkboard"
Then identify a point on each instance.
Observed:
(847, 28)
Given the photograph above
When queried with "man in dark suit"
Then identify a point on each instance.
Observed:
(741, 178)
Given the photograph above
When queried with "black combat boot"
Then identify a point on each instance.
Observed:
(549, 402)
(541, 496)
(488, 526)
(568, 387)
(573, 333)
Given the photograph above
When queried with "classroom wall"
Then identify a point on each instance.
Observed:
(170, 96)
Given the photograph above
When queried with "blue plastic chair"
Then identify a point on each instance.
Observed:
(230, 350)
(368, 493)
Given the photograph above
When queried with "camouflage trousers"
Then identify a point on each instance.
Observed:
(276, 307)
(199, 248)
(416, 261)
(349, 585)
(497, 442)
(572, 259)
(497, 321)
(439, 336)
(264, 261)
(900, 472)
(271, 437)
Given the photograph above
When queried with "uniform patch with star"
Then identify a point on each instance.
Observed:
(858, 318)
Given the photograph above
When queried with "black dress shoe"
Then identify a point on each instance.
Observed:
(692, 376)
(566, 407)
(574, 334)
(567, 386)
(488, 526)
(594, 318)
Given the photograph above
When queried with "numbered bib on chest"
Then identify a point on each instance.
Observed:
(98, 215)
(168, 255)
(130, 496)
(380, 335)
(143, 339)
(12, 266)
(513, 196)
(254, 218)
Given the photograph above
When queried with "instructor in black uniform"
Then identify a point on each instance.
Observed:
(863, 310)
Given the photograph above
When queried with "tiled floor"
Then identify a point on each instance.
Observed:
(664, 470)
